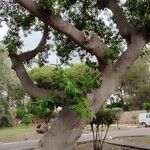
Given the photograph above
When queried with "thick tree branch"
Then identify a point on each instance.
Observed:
(130, 55)
(26, 82)
(109, 83)
(31, 54)
(31, 88)
(113, 73)
(125, 28)
(94, 46)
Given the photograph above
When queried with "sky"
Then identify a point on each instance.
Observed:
(3, 31)
(30, 42)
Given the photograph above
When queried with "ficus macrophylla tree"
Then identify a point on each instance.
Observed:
(76, 27)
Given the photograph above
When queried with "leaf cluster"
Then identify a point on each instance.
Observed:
(83, 108)
(34, 110)
(56, 6)
(146, 106)
(41, 108)
(27, 119)
(76, 82)
(138, 11)
(137, 77)
(5, 117)
(106, 116)
(82, 14)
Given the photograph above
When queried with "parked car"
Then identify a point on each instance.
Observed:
(144, 119)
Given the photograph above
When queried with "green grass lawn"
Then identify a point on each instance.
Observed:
(16, 131)
(20, 133)
(112, 128)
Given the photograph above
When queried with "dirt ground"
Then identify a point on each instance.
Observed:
(89, 146)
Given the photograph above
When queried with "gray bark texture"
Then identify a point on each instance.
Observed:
(64, 133)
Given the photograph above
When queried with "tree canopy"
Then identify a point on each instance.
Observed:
(75, 82)
(84, 15)
(136, 83)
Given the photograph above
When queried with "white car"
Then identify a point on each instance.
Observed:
(144, 119)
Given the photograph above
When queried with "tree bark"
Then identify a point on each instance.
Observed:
(26, 82)
(64, 132)
(32, 53)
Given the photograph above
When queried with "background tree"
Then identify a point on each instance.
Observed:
(76, 27)
(23, 115)
(11, 93)
(146, 106)
(5, 116)
(27, 119)
(9, 83)
(136, 84)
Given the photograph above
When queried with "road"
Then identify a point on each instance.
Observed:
(30, 144)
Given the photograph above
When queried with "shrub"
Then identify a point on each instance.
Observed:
(5, 121)
(27, 119)
(104, 118)
(146, 106)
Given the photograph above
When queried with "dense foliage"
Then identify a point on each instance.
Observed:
(42, 109)
(75, 81)
(5, 116)
(31, 112)
(9, 83)
(146, 106)
(11, 93)
(136, 84)
(105, 116)
(24, 116)
(139, 13)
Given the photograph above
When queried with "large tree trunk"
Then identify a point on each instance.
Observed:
(64, 133)
(67, 129)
